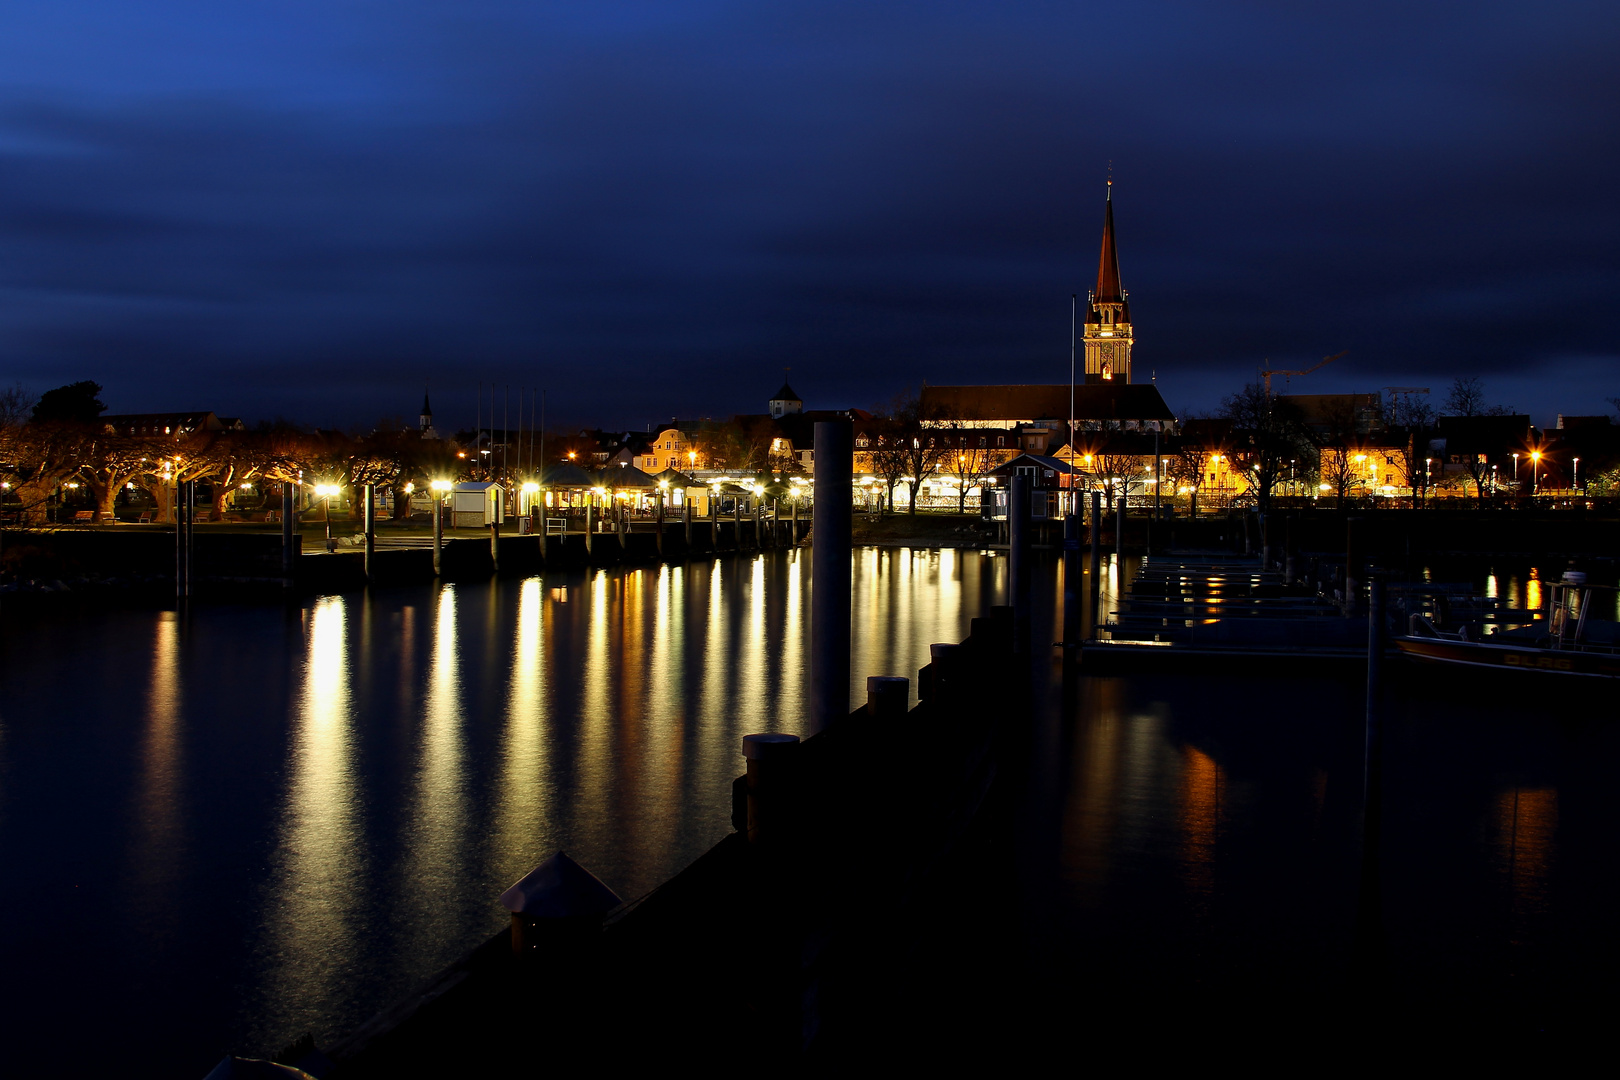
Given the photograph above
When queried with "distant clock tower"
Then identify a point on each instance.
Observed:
(1108, 337)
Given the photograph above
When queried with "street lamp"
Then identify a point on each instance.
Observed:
(1428, 475)
(1575, 477)
(1535, 473)
(1515, 474)
(439, 487)
(326, 491)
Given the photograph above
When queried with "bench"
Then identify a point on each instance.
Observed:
(86, 516)
(201, 517)
(145, 518)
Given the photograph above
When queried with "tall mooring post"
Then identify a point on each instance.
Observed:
(831, 551)
(737, 515)
(1096, 550)
(590, 525)
(438, 533)
(1071, 581)
(1018, 569)
(793, 523)
(371, 530)
(1352, 565)
(1290, 549)
(623, 520)
(686, 520)
(659, 543)
(1369, 929)
(1119, 525)
(495, 545)
(287, 551)
(184, 494)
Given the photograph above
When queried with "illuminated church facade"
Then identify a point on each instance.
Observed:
(1107, 333)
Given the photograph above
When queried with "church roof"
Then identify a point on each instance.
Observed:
(1112, 400)
(427, 410)
(786, 394)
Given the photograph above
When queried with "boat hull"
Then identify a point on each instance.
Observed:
(1517, 658)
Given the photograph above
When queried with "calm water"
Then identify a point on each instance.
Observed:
(221, 833)
(224, 832)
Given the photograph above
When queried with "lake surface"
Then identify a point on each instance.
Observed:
(225, 831)
(222, 832)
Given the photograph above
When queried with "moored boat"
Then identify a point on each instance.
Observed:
(1568, 641)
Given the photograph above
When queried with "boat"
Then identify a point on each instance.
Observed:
(1567, 640)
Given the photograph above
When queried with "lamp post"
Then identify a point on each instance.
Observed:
(1493, 481)
(1575, 476)
(1428, 476)
(326, 491)
(1515, 474)
(439, 488)
(1535, 473)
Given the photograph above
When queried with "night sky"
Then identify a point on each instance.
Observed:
(311, 209)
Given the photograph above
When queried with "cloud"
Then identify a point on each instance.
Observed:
(652, 209)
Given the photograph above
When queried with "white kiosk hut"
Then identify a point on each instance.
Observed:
(474, 505)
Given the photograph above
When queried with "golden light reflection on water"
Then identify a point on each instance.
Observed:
(1525, 826)
(308, 920)
(435, 820)
(1199, 819)
(158, 813)
(524, 788)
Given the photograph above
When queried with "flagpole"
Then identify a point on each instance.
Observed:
(1074, 312)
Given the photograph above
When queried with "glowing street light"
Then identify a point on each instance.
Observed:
(1535, 473)
(326, 491)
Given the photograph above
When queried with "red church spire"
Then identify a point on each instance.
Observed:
(1108, 288)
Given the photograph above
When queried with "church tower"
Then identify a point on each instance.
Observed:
(1108, 337)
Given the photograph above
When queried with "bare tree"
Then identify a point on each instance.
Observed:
(1269, 432)
(1467, 398)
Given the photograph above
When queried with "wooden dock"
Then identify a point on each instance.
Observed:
(1195, 605)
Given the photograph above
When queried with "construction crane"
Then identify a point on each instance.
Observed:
(1398, 392)
(1326, 360)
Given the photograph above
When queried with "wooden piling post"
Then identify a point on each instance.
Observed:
(1119, 529)
(1368, 909)
(793, 522)
(438, 534)
(622, 524)
(369, 516)
(759, 524)
(686, 520)
(287, 534)
(1352, 565)
(736, 522)
(1096, 551)
(1018, 569)
(887, 696)
(1290, 549)
(772, 769)
(590, 526)
(659, 543)
(495, 546)
(830, 558)
(1071, 581)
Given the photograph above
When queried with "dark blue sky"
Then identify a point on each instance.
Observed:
(651, 209)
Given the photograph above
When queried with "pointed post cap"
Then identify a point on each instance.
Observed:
(560, 888)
